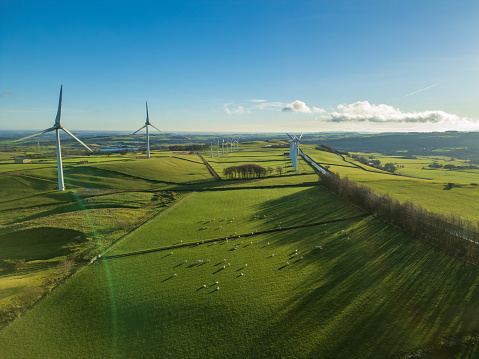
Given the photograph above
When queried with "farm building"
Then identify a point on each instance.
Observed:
(21, 160)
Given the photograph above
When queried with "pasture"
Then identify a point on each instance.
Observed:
(434, 195)
(256, 152)
(357, 288)
(270, 267)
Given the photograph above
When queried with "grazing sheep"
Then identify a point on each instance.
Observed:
(174, 275)
(186, 260)
(171, 252)
(287, 263)
(204, 285)
(272, 254)
(296, 253)
(245, 265)
(301, 257)
(229, 264)
(241, 273)
(217, 282)
(224, 267)
(207, 260)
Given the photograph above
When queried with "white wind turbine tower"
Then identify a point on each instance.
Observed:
(57, 127)
(147, 123)
(294, 149)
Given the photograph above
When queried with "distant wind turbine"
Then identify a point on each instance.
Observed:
(57, 127)
(147, 123)
(294, 149)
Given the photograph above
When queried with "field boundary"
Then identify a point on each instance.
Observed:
(212, 171)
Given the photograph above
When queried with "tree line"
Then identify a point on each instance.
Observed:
(248, 170)
(453, 234)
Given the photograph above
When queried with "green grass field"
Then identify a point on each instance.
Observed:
(164, 169)
(419, 168)
(255, 152)
(433, 195)
(219, 214)
(352, 288)
(370, 292)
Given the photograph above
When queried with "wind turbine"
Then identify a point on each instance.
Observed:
(294, 149)
(57, 127)
(147, 123)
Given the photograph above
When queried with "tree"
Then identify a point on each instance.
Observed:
(390, 167)
(270, 170)
(279, 169)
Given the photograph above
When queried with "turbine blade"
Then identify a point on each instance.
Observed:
(141, 128)
(147, 117)
(76, 138)
(290, 137)
(36, 134)
(156, 128)
(300, 137)
(59, 112)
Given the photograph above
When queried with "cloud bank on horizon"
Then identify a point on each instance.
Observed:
(360, 111)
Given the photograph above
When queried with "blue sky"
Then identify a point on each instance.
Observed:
(241, 66)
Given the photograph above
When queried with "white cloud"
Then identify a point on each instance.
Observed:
(300, 106)
(363, 111)
(239, 110)
(271, 106)
(256, 100)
